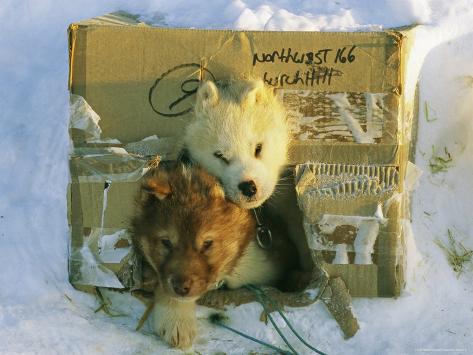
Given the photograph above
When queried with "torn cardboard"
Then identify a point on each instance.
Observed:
(101, 253)
(345, 101)
(352, 218)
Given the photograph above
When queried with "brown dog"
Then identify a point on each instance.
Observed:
(195, 240)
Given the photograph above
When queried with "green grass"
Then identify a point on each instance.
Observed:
(104, 304)
(457, 254)
(427, 112)
(440, 163)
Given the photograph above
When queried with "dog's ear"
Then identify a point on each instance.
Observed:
(255, 93)
(207, 95)
(157, 184)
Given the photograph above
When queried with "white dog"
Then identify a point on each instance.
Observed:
(240, 135)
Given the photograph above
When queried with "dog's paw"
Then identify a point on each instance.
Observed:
(175, 327)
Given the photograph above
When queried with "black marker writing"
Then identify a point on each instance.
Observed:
(288, 55)
(340, 57)
(187, 80)
(321, 56)
(313, 77)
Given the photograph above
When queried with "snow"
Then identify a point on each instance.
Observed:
(40, 313)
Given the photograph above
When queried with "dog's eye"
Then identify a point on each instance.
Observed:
(206, 245)
(258, 149)
(220, 156)
(167, 244)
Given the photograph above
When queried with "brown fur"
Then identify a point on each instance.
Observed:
(186, 207)
(191, 210)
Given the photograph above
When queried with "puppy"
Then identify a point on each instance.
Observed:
(195, 239)
(240, 135)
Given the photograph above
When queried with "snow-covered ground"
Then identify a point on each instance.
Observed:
(40, 313)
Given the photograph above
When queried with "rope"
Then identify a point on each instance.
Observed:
(260, 300)
(259, 294)
(218, 319)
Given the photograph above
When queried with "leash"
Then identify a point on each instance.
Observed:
(260, 294)
(264, 239)
(219, 319)
(260, 300)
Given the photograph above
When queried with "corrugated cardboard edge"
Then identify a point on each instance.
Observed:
(408, 114)
(77, 65)
(71, 34)
(390, 274)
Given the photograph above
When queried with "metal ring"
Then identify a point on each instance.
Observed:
(264, 237)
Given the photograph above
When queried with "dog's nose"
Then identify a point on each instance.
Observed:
(248, 188)
(181, 286)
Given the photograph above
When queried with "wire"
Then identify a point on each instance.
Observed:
(217, 319)
(259, 292)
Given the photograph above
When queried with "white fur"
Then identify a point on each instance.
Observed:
(254, 267)
(174, 320)
(232, 120)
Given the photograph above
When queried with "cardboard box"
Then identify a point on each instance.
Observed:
(344, 93)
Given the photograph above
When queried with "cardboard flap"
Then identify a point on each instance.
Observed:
(142, 80)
